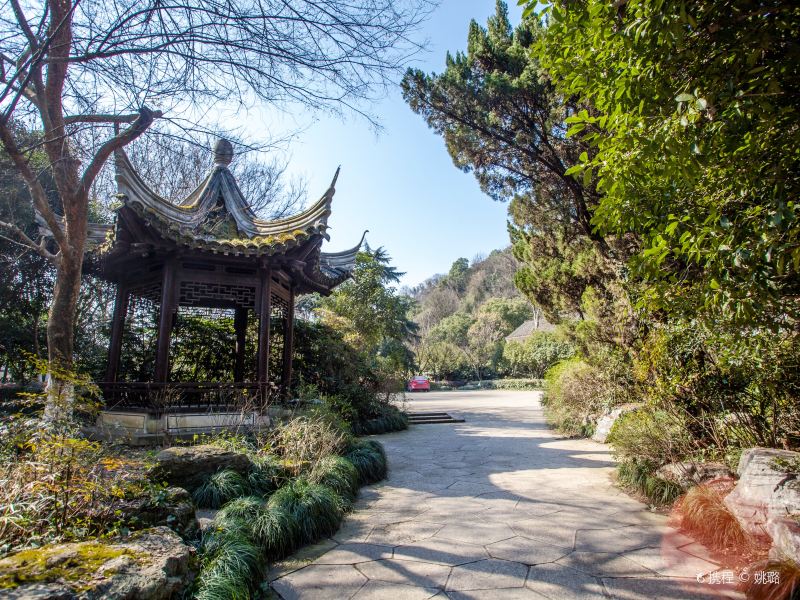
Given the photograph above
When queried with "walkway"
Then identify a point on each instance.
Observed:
(499, 507)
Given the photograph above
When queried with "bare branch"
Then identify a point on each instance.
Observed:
(98, 118)
(137, 128)
(34, 185)
(24, 240)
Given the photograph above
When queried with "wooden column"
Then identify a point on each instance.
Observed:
(165, 321)
(117, 329)
(240, 326)
(288, 345)
(264, 314)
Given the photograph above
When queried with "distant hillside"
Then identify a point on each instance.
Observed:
(464, 316)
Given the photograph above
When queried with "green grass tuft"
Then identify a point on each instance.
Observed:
(316, 509)
(245, 509)
(232, 562)
(639, 478)
(337, 473)
(369, 459)
(221, 487)
(276, 531)
(267, 475)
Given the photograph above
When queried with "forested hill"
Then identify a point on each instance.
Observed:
(464, 317)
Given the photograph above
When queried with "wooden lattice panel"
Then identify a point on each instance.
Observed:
(196, 293)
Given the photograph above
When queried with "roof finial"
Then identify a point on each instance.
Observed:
(223, 152)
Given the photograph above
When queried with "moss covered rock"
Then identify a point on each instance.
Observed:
(189, 466)
(153, 564)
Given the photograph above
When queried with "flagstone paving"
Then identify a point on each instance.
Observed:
(499, 507)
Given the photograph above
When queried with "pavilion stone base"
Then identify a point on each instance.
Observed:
(140, 428)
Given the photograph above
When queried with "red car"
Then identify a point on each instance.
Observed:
(419, 384)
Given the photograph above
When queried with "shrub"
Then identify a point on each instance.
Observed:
(369, 459)
(221, 487)
(276, 531)
(509, 384)
(337, 473)
(704, 514)
(534, 356)
(650, 436)
(392, 419)
(266, 475)
(243, 509)
(578, 393)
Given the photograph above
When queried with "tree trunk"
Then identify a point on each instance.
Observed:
(61, 336)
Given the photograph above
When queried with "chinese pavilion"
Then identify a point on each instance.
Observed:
(210, 250)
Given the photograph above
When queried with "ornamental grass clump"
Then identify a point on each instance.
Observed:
(369, 459)
(266, 474)
(779, 580)
(276, 531)
(232, 561)
(221, 487)
(639, 478)
(337, 473)
(703, 513)
(316, 509)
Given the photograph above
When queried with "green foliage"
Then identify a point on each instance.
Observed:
(733, 391)
(391, 419)
(369, 459)
(337, 473)
(510, 384)
(650, 436)
(366, 309)
(534, 356)
(639, 478)
(693, 128)
(578, 392)
(315, 509)
(231, 561)
(219, 488)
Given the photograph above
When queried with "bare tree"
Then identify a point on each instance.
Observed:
(114, 67)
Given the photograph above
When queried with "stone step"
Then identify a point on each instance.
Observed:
(420, 418)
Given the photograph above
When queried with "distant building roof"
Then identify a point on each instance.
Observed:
(524, 331)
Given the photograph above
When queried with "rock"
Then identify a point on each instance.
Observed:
(785, 534)
(688, 474)
(187, 466)
(765, 492)
(173, 508)
(606, 422)
(153, 564)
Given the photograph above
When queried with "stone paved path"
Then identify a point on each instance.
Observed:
(499, 507)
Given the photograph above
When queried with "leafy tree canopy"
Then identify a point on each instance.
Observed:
(694, 145)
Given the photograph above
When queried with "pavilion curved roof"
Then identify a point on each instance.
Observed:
(217, 217)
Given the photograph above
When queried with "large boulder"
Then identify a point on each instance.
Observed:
(689, 474)
(785, 534)
(766, 491)
(153, 564)
(172, 507)
(606, 421)
(188, 466)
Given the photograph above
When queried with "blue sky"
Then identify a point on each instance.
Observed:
(400, 183)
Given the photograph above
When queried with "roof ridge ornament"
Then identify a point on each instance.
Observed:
(223, 152)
